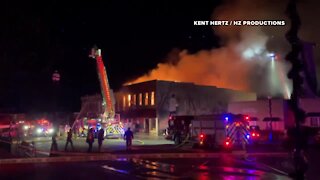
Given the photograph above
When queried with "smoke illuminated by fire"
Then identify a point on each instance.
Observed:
(216, 67)
(242, 63)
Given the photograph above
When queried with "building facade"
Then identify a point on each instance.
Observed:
(91, 106)
(145, 107)
(262, 110)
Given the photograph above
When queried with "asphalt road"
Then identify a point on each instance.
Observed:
(223, 166)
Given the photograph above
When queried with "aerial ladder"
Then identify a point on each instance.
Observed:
(104, 84)
(109, 117)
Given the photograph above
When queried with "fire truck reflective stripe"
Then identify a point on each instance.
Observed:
(115, 129)
(237, 131)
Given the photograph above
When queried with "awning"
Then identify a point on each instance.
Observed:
(313, 114)
(272, 119)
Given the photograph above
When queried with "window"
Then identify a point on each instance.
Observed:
(146, 99)
(140, 99)
(124, 102)
(152, 98)
(134, 99)
(129, 100)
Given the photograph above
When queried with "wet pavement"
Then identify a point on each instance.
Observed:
(225, 167)
(285, 164)
(219, 166)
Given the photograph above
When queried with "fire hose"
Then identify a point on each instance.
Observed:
(186, 139)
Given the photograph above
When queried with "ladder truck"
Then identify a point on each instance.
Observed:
(104, 83)
(110, 120)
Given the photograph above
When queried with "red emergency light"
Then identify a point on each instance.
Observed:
(247, 117)
(227, 143)
(253, 134)
(201, 136)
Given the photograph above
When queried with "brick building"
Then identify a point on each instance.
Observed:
(145, 106)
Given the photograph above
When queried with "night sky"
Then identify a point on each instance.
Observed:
(134, 36)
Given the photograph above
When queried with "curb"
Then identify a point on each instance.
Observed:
(79, 157)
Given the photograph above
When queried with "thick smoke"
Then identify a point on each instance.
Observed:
(267, 78)
(218, 67)
(244, 60)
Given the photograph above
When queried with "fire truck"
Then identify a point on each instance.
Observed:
(39, 127)
(108, 120)
(227, 131)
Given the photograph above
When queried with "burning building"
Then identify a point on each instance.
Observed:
(145, 106)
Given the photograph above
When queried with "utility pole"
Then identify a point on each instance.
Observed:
(294, 74)
(270, 114)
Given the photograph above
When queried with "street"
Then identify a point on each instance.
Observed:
(43, 144)
(225, 167)
(153, 157)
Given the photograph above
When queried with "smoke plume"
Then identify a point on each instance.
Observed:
(244, 62)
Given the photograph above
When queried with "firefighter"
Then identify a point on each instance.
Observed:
(69, 140)
(128, 136)
(54, 144)
(90, 139)
(100, 138)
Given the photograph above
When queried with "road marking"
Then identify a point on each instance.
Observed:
(275, 169)
(270, 167)
(114, 169)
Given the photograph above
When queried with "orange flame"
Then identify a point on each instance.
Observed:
(221, 67)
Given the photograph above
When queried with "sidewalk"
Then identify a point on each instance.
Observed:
(147, 136)
(5, 154)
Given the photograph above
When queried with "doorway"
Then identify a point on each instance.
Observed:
(146, 125)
